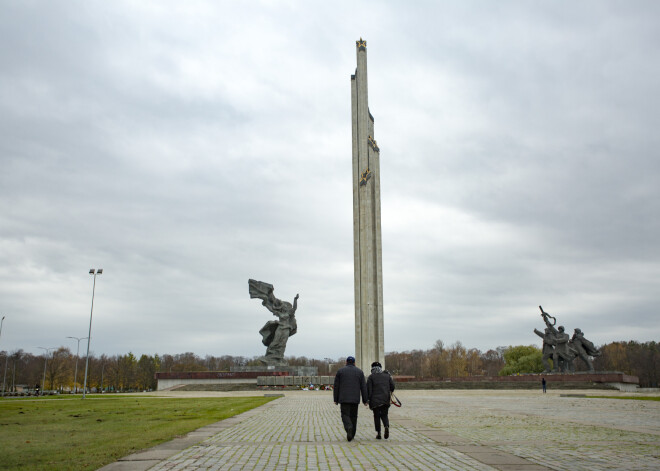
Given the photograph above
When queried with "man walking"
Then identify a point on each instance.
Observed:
(348, 388)
(380, 386)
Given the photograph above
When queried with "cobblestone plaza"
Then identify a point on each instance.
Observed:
(448, 430)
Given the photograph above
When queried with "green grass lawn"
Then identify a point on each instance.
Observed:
(76, 434)
(637, 398)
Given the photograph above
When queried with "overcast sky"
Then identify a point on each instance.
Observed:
(185, 147)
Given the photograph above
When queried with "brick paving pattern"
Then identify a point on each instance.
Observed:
(556, 432)
(437, 430)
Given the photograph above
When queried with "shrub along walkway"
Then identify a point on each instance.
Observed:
(456, 430)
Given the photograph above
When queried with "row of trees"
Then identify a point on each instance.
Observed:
(445, 361)
(635, 358)
(128, 372)
(61, 370)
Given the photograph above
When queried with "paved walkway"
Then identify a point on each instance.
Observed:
(447, 430)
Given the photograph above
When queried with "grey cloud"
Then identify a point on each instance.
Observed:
(186, 150)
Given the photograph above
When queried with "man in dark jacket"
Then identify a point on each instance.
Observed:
(380, 386)
(349, 386)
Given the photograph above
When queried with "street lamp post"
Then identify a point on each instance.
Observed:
(4, 377)
(43, 384)
(75, 376)
(94, 272)
(6, 359)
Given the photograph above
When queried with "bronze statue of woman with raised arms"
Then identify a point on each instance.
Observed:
(275, 334)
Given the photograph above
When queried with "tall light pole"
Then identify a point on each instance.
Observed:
(102, 369)
(4, 376)
(75, 376)
(43, 384)
(6, 359)
(94, 272)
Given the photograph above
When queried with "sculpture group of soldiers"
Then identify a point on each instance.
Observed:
(562, 348)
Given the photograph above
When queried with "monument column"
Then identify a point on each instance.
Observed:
(369, 334)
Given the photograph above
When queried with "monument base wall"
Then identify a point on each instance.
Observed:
(583, 376)
(238, 375)
(301, 381)
(580, 380)
(172, 379)
(251, 377)
(170, 383)
(284, 370)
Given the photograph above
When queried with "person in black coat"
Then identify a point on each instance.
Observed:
(380, 386)
(348, 388)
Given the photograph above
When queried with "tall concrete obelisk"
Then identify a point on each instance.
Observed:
(369, 335)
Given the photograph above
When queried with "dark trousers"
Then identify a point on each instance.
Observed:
(380, 414)
(349, 414)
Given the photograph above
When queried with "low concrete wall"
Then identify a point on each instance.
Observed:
(424, 385)
(170, 383)
(171, 379)
(581, 380)
(218, 374)
(602, 380)
(586, 377)
(624, 387)
(289, 370)
(295, 380)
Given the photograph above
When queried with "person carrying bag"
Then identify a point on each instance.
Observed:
(395, 400)
(380, 386)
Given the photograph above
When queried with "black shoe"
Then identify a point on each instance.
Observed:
(387, 433)
(349, 434)
(378, 436)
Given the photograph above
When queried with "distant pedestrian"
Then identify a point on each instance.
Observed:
(380, 386)
(348, 388)
(543, 384)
